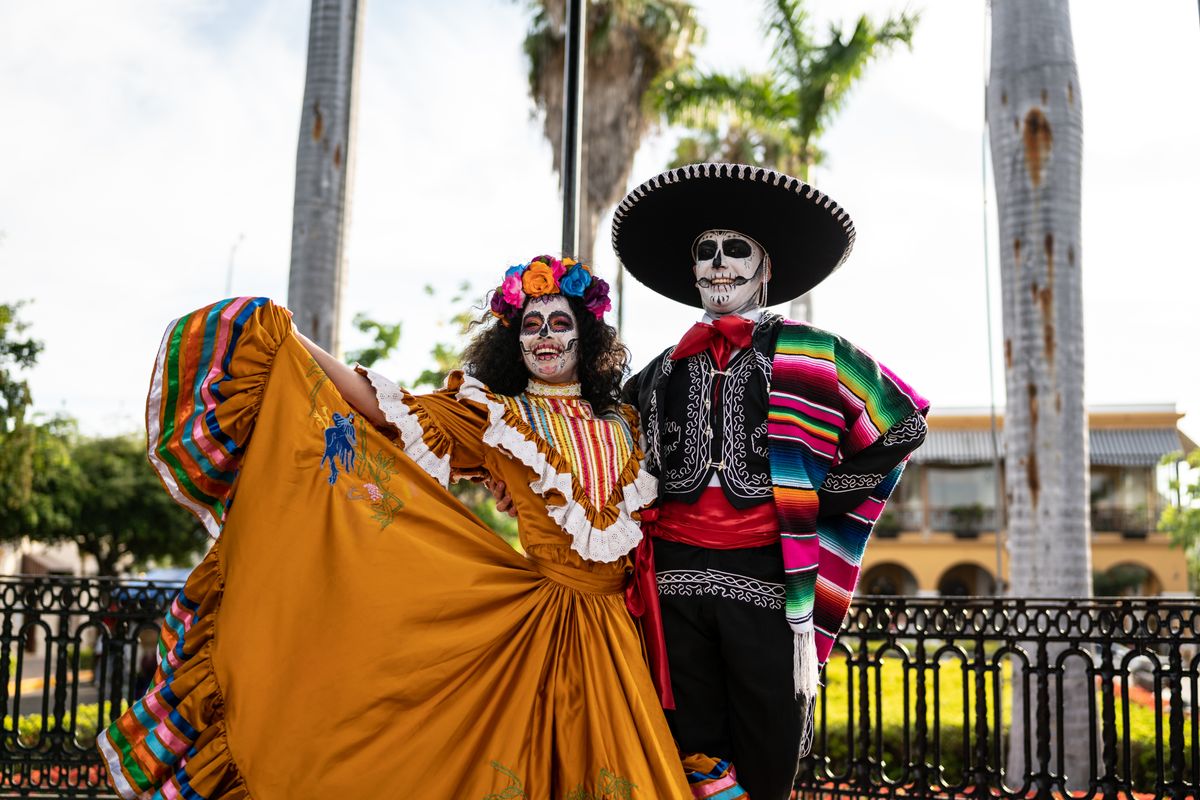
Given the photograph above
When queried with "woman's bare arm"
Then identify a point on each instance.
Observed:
(354, 387)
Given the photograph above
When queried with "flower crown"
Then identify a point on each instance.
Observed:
(548, 275)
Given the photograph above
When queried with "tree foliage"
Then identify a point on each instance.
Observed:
(36, 477)
(630, 45)
(776, 118)
(57, 486)
(121, 512)
(1182, 521)
(102, 494)
(445, 356)
(29, 452)
(448, 355)
(17, 352)
(385, 339)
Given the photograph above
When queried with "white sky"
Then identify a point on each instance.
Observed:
(141, 140)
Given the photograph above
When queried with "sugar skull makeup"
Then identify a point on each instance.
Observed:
(731, 271)
(549, 337)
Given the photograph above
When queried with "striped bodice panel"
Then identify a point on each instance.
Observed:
(597, 448)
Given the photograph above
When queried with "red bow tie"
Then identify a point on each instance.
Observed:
(722, 337)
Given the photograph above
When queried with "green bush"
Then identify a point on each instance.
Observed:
(30, 728)
(87, 657)
(887, 721)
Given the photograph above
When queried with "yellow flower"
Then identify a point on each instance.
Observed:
(538, 280)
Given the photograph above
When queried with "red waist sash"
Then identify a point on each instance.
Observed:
(712, 522)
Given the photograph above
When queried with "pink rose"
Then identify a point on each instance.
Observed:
(599, 307)
(557, 268)
(513, 293)
(595, 299)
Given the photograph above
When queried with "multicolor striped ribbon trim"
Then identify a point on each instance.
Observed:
(828, 401)
(148, 745)
(711, 779)
(199, 414)
(191, 449)
(596, 448)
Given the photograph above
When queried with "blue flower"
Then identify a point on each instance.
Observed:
(575, 282)
(514, 269)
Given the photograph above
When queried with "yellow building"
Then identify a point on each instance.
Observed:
(938, 536)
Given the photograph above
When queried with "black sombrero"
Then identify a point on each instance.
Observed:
(806, 234)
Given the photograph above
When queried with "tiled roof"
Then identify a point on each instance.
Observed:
(957, 447)
(1140, 447)
(1133, 448)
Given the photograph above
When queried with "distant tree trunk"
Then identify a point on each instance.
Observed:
(1035, 123)
(324, 168)
(801, 308)
(107, 558)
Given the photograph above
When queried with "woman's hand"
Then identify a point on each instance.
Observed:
(499, 490)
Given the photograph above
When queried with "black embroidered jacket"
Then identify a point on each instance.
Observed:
(698, 421)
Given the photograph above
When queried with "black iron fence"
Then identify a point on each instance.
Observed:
(73, 652)
(919, 701)
(921, 695)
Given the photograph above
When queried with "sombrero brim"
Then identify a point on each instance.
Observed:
(806, 234)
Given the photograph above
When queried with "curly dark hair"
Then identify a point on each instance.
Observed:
(494, 357)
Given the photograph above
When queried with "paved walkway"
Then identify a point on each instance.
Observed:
(32, 686)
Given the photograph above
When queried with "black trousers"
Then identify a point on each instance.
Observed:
(730, 653)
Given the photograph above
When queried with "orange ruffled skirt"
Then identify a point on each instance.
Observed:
(344, 641)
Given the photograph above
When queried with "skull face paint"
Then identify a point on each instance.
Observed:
(732, 271)
(549, 338)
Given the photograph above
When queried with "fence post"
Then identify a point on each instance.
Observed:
(862, 760)
(1176, 719)
(981, 775)
(1108, 711)
(921, 745)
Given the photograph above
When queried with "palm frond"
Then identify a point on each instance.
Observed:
(540, 39)
(668, 28)
(785, 27)
(836, 66)
(768, 146)
(692, 98)
(776, 118)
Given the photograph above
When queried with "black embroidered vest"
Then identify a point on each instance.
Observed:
(699, 421)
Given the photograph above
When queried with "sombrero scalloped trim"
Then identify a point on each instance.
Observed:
(744, 172)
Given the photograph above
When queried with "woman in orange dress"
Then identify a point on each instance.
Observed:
(355, 631)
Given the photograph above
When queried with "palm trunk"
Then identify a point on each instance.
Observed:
(1035, 124)
(324, 166)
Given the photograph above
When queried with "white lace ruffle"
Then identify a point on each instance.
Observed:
(595, 544)
(391, 403)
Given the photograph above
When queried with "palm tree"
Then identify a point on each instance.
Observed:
(1035, 125)
(324, 166)
(775, 119)
(630, 45)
